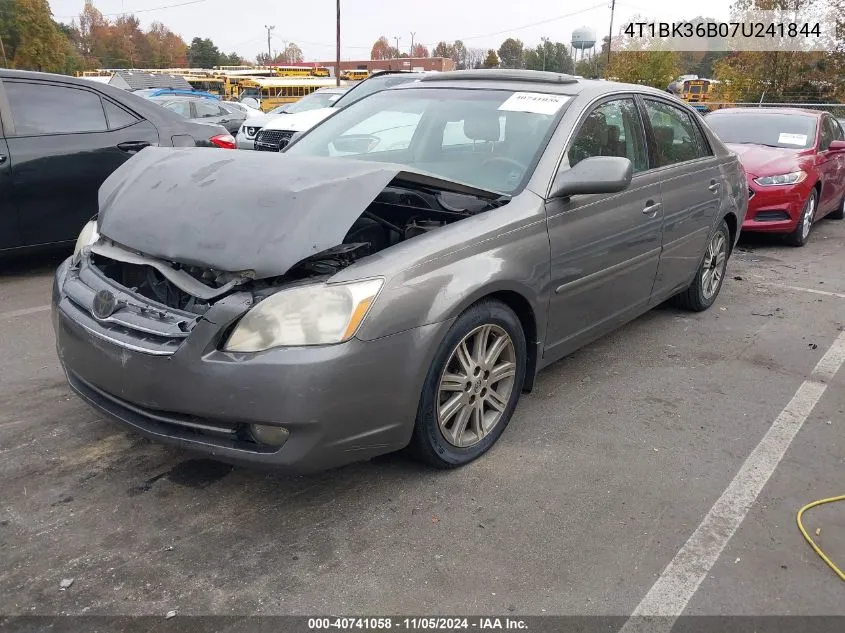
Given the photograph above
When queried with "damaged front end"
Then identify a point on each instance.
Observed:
(167, 268)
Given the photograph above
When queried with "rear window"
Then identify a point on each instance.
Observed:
(773, 129)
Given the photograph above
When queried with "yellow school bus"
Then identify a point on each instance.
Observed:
(214, 85)
(354, 75)
(275, 91)
(301, 71)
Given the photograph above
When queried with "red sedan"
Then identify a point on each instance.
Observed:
(795, 163)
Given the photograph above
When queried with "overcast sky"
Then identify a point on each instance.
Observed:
(239, 26)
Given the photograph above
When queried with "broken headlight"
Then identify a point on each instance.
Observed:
(319, 314)
(87, 236)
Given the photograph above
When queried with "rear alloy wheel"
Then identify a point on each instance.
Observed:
(704, 289)
(472, 386)
(840, 212)
(799, 236)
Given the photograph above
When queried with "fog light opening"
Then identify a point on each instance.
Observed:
(270, 435)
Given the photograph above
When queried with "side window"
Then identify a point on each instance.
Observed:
(41, 108)
(206, 109)
(614, 128)
(827, 135)
(838, 135)
(180, 107)
(117, 116)
(676, 135)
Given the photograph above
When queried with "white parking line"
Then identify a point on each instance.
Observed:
(24, 312)
(669, 596)
(825, 293)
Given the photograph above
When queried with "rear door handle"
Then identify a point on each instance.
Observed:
(714, 186)
(132, 146)
(652, 208)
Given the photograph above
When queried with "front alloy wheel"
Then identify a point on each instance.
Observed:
(799, 236)
(472, 386)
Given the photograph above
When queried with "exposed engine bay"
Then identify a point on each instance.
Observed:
(400, 212)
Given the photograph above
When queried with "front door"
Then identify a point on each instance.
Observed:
(604, 248)
(9, 233)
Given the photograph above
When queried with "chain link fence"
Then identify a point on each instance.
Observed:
(836, 109)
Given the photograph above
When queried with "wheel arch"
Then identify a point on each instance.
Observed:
(517, 300)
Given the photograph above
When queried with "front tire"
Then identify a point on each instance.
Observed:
(799, 236)
(702, 292)
(472, 386)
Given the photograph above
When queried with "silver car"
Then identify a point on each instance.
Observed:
(306, 310)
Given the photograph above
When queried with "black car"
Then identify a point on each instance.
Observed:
(203, 110)
(60, 138)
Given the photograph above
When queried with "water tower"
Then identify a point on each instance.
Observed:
(583, 39)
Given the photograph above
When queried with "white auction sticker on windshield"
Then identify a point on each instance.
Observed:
(535, 102)
(792, 139)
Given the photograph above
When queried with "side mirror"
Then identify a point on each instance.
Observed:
(597, 174)
(836, 147)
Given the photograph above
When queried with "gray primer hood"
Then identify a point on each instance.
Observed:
(243, 211)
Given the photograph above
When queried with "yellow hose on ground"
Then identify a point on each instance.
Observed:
(812, 543)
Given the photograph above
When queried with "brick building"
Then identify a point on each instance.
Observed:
(402, 63)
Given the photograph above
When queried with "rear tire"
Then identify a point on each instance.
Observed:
(801, 234)
(472, 386)
(840, 212)
(702, 292)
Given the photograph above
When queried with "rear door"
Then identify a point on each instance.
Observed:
(691, 187)
(207, 111)
(604, 248)
(66, 140)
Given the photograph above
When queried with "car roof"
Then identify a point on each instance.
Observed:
(531, 81)
(768, 110)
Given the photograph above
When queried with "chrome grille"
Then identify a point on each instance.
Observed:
(272, 140)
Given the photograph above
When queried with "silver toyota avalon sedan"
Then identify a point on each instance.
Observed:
(397, 276)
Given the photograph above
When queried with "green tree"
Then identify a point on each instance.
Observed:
(442, 49)
(510, 53)
(492, 60)
(202, 53)
(459, 54)
(551, 56)
(33, 41)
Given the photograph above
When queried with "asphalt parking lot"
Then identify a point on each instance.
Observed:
(605, 472)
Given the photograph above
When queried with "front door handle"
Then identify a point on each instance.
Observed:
(652, 208)
(714, 186)
(3, 158)
(132, 146)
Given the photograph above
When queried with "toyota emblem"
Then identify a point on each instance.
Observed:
(104, 304)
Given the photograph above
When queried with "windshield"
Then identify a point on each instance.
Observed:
(775, 129)
(484, 138)
(372, 85)
(314, 101)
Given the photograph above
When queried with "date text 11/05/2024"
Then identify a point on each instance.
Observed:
(418, 624)
(723, 29)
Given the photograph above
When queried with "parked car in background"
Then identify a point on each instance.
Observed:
(61, 137)
(278, 132)
(406, 294)
(322, 98)
(202, 110)
(242, 107)
(173, 92)
(795, 161)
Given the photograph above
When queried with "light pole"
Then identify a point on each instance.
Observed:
(397, 45)
(609, 38)
(411, 52)
(337, 60)
(269, 52)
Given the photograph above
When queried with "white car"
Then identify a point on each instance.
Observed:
(275, 134)
(319, 99)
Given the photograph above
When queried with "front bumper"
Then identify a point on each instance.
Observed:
(775, 209)
(244, 142)
(340, 403)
